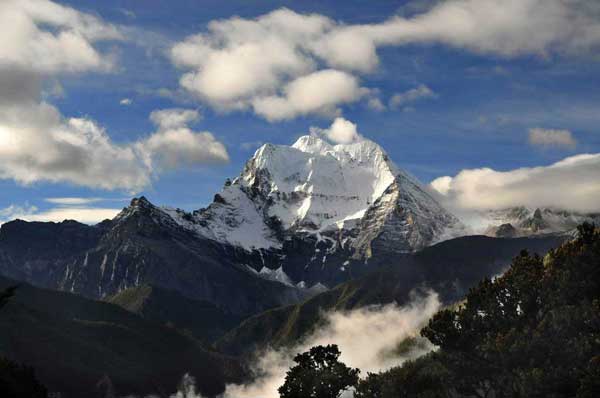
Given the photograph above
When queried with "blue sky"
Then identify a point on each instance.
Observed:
(479, 113)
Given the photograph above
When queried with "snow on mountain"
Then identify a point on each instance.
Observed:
(314, 185)
(232, 218)
(335, 192)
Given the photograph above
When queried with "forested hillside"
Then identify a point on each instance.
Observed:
(534, 332)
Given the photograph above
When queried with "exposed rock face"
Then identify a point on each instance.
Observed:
(141, 245)
(506, 231)
(403, 219)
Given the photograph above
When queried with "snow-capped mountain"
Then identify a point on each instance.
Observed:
(298, 219)
(522, 221)
(350, 195)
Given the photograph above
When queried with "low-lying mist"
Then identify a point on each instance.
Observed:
(369, 338)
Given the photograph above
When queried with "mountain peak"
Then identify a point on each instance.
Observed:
(318, 188)
(312, 144)
(140, 202)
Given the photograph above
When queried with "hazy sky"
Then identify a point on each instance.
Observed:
(103, 100)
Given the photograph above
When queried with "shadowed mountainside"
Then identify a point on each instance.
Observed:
(74, 343)
(450, 268)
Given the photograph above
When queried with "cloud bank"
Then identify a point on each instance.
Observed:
(366, 337)
(285, 64)
(570, 184)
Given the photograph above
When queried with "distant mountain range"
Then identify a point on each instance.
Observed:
(521, 221)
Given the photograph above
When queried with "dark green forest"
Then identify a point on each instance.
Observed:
(533, 332)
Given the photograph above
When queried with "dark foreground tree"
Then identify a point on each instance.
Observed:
(318, 373)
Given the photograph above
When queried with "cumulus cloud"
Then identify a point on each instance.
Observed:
(341, 131)
(415, 94)
(37, 144)
(174, 117)
(319, 92)
(238, 58)
(367, 338)
(36, 141)
(570, 184)
(243, 63)
(50, 38)
(175, 144)
(126, 101)
(552, 138)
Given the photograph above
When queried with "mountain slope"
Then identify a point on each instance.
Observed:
(141, 245)
(73, 343)
(450, 268)
(204, 320)
(38, 250)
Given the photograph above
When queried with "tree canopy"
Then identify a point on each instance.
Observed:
(318, 373)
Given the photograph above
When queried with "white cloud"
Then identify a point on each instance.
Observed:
(126, 101)
(551, 138)
(442, 184)
(74, 201)
(341, 131)
(419, 93)
(175, 145)
(240, 58)
(13, 212)
(174, 117)
(367, 338)
(319, 92)
(37, 144)
(43, 40)
(48, 37)
(84, 214)
(571, 184)
(375, 104)
(241, 63)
